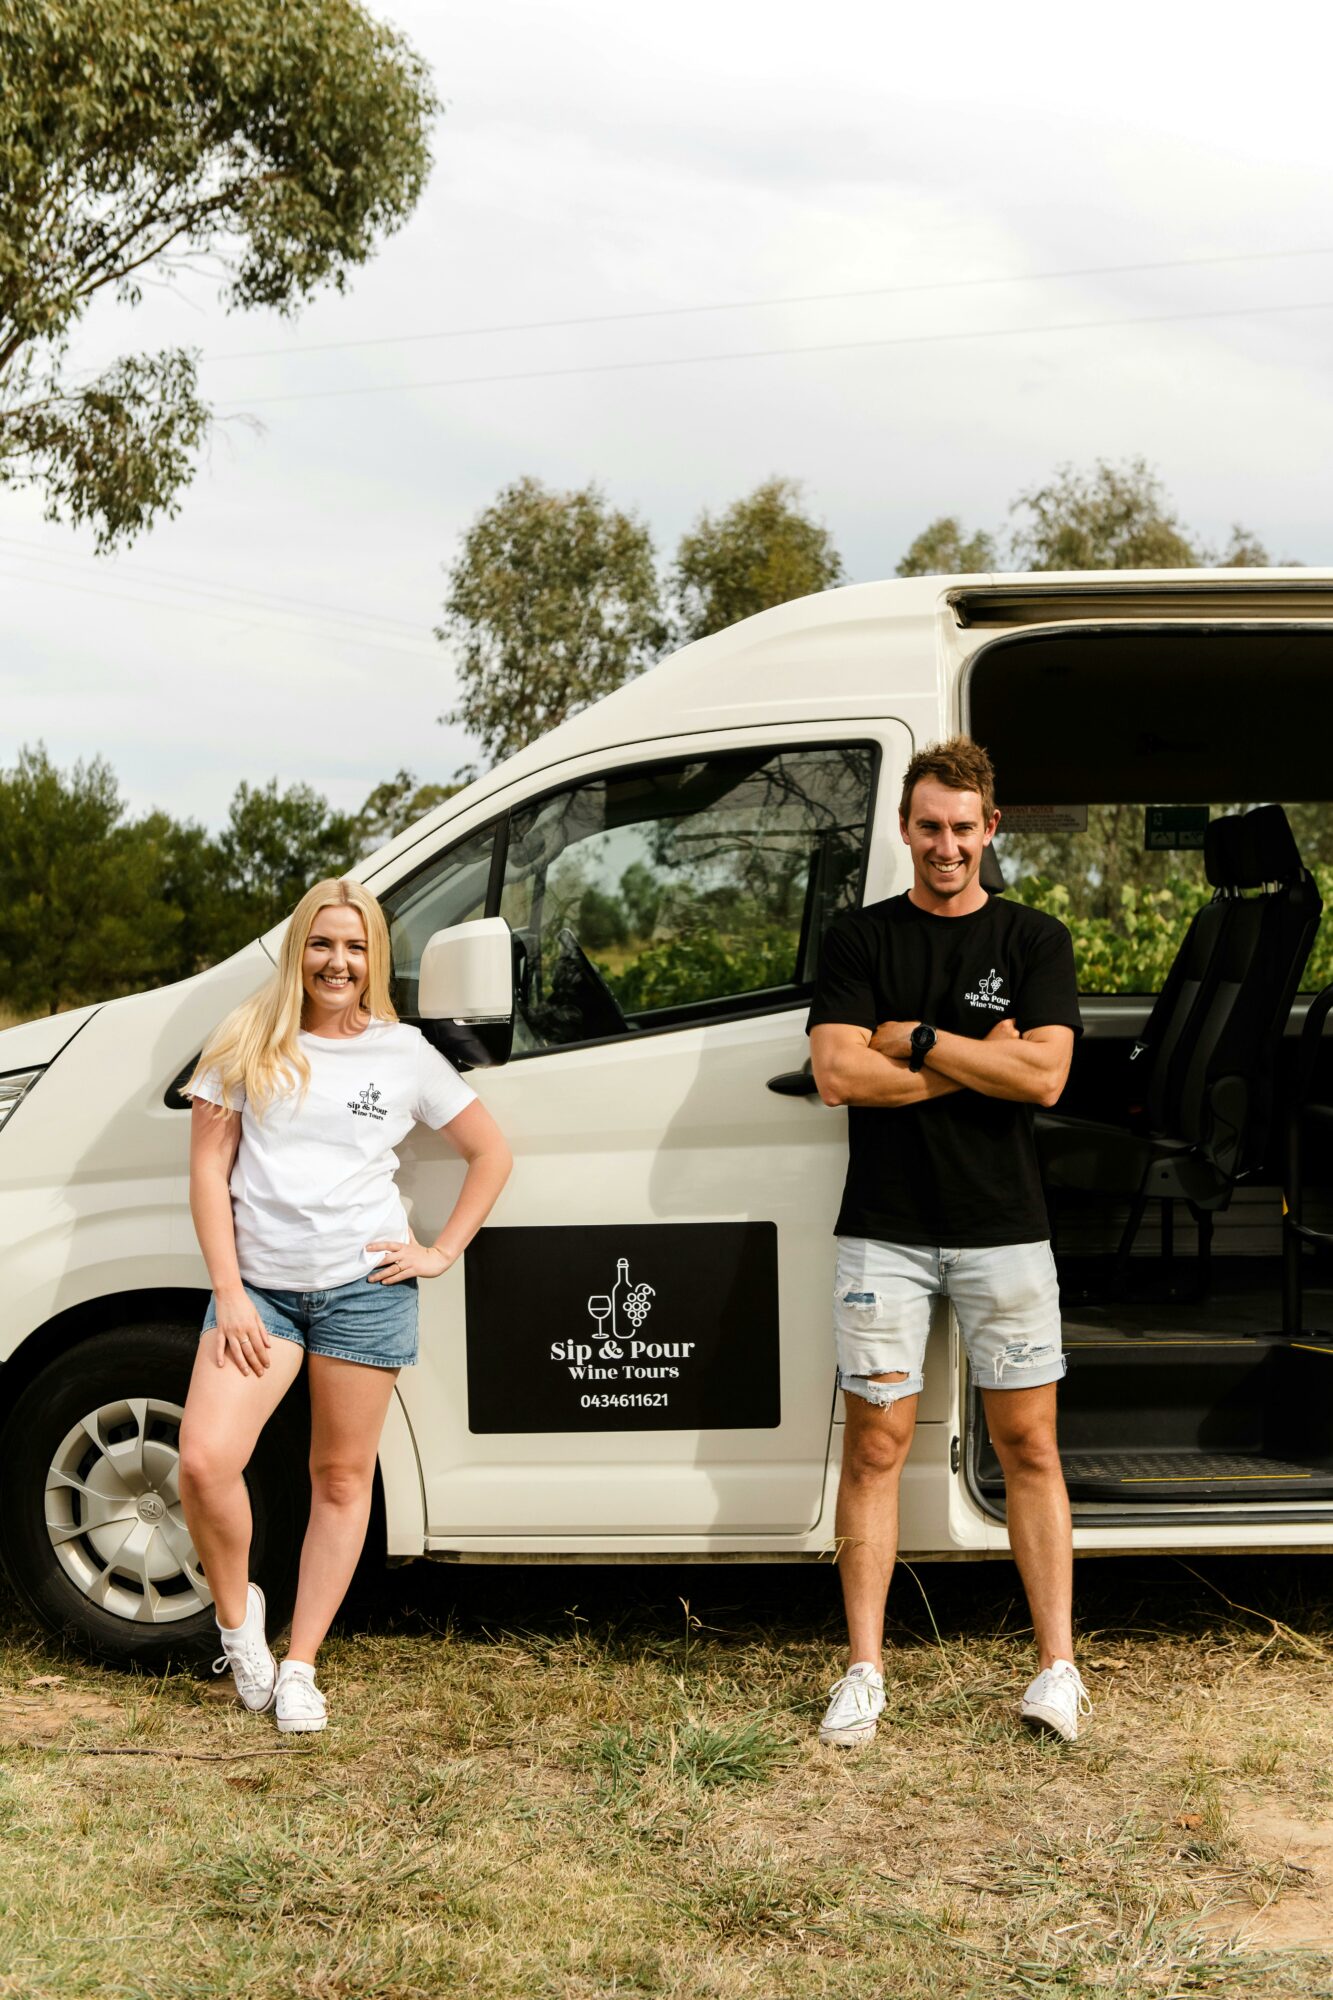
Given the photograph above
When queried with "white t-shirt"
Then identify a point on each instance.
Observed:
(313, 1181)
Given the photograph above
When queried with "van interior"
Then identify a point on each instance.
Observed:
(1189, 1164)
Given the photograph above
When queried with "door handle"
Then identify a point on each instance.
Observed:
(795, 1082)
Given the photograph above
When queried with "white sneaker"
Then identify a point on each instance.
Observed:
(246, 1652)
(854, 1711)
(1056, 1700)
(300, 1705)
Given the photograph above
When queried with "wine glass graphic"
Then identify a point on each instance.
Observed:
(600, 1308)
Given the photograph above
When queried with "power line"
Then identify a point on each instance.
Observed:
(747, 305)
(180, 578)
(250, 602)
(772, 353)
(247, 615)
(244, 614)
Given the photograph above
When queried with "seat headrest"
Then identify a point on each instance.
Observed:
(1223, 851)
(991, 875)
(1268, 848)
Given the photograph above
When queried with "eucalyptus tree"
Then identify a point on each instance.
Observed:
(1106, 515)
(269, 147)
(553, 601)
(763, 550)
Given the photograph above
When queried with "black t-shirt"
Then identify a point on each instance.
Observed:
(959, 1170)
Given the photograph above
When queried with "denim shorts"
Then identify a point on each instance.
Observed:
(373, 1324)
(1006, 1298)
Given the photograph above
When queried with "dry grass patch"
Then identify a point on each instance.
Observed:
(560, 1785)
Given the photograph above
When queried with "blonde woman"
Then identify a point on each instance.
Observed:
(299, 1099)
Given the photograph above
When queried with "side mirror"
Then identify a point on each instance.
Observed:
(465, 990)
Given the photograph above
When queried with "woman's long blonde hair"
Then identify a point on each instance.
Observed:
(257, 1049)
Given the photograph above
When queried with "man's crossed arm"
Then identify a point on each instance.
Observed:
(852, 1066)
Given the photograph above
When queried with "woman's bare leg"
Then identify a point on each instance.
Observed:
(348, 1405)
(224, 1413)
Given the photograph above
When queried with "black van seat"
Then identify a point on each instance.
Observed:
(1081, 1153)
(991, 875)
(1305, 1120)
(1211, 1044)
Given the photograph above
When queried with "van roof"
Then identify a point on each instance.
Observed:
(839, 654)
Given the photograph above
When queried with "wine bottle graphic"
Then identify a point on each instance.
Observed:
(605, 1308)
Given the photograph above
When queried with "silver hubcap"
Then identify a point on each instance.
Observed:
(113, 1513)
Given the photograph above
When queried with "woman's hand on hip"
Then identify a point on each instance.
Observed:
(408, 1260)
(242, 1335)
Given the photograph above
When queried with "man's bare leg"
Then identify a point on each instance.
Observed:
(874, 1446)
(1022, 1429)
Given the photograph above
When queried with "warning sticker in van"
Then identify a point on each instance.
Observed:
(654, 1326)
(1044, 819)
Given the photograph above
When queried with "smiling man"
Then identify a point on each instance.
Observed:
(942, 1018)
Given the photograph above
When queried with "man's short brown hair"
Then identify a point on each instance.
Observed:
(960, 764)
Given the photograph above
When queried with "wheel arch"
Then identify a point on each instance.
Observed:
(155, 1304)
(398, 1516)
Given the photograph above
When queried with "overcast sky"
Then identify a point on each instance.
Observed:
(596, 159)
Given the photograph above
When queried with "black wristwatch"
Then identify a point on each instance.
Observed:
(923, 1041)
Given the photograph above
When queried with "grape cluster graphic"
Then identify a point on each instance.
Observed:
(638, 1305)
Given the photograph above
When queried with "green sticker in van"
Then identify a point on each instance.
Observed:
(1174, 827)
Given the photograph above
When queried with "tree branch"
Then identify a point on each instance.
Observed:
(152, 206)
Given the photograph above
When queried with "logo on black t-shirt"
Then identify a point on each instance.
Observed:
(366, 1103)
(987, 994)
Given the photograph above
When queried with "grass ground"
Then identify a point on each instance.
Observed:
(571, 1783)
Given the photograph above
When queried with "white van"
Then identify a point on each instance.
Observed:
(635, 1362)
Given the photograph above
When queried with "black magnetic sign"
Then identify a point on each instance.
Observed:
(651, 1327)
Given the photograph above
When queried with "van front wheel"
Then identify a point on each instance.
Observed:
(91, 1526)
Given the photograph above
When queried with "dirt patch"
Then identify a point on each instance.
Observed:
(1296, 1856)
(43, 1711)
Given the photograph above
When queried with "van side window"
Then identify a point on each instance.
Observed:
(450, 891)
(1128, 906)
(681, 892)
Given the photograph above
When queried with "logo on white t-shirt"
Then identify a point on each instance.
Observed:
(366, 1103)
(987, 993)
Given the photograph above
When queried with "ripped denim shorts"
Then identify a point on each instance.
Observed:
(1006, 1298)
